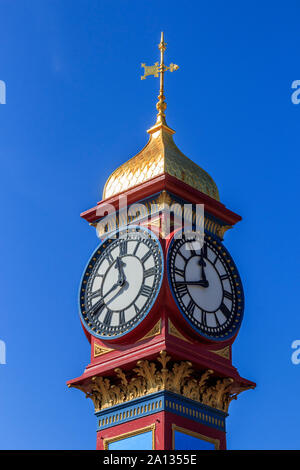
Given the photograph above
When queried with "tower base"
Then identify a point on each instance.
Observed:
(161, 421)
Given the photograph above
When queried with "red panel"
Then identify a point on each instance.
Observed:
(157, 419)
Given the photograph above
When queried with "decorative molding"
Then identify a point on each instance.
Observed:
(221, 229)
(136, 432)
(164, 199)
(161, 202)
(172, 330)
(161, 401)
(153, 332)
(100, 350)
(163, 374)
(225, 352)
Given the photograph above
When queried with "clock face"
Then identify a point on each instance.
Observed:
(121, 283)
(206, 286)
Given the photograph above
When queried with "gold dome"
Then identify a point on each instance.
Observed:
(159, 156)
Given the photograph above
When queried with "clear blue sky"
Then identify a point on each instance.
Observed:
(76, 109)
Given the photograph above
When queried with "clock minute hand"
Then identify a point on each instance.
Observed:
(119, 266)
(202, 264)
(101, 301)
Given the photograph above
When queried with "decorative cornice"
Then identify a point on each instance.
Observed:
(164, 201)
(163, 374)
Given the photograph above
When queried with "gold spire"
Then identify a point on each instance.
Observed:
(159, 70)
(160, 155)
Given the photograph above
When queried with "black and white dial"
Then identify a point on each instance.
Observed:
(121, 282)
(206, 286)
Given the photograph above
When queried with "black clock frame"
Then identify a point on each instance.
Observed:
(104, 250)
(219, 333)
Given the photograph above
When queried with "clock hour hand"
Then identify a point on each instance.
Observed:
(123, 287)
(203, 283)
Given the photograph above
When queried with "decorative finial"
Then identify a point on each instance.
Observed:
(160, 69)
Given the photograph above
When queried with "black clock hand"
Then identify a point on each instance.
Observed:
(203, 283)
(100, 302)
(123, 287)
(203, 264)
(119, 266)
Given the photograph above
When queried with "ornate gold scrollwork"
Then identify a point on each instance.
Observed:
(163, 374)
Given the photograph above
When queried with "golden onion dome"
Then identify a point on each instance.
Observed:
(160, 155)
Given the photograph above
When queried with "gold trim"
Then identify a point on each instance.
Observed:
(216, 442)
(172, 330)
(162, 374)
(153, 332)
(221, 229)
(100, 350)
(136, 432)
(225, 352)
(160, 69)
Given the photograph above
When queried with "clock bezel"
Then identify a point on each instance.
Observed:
(95, 254)
(232, 331)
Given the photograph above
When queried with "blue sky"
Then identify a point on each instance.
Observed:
(75, 110)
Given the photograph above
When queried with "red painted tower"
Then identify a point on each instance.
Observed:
(161, 302)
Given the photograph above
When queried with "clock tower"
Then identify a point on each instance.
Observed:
(161, 301)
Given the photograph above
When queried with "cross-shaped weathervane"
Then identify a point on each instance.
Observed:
(160, 69)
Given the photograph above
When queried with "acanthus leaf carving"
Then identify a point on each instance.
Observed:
(163, 374)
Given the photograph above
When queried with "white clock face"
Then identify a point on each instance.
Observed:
(206, 286)
(121, 283)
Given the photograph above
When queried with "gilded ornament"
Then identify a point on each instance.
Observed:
(100, 350)
(160, 155)
(225, 352)
(163, 374)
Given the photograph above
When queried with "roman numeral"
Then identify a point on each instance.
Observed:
(191, 249)
(180, 272)
(95, 294)
(182, 289)
(107, 319)
(182, 256)
(217, 320)
(97, 308)
(204, 250)
(136, 248)
(122, 317)
(150, 272)
(123, 247)
(146, 256)
(146, 290)
(203, 318)
(224, 276)
(191, 307)
(109, 258)
(225, 311)
(227, 295)
(215, 260)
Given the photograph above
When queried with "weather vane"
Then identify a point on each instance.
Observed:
(160, 69)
